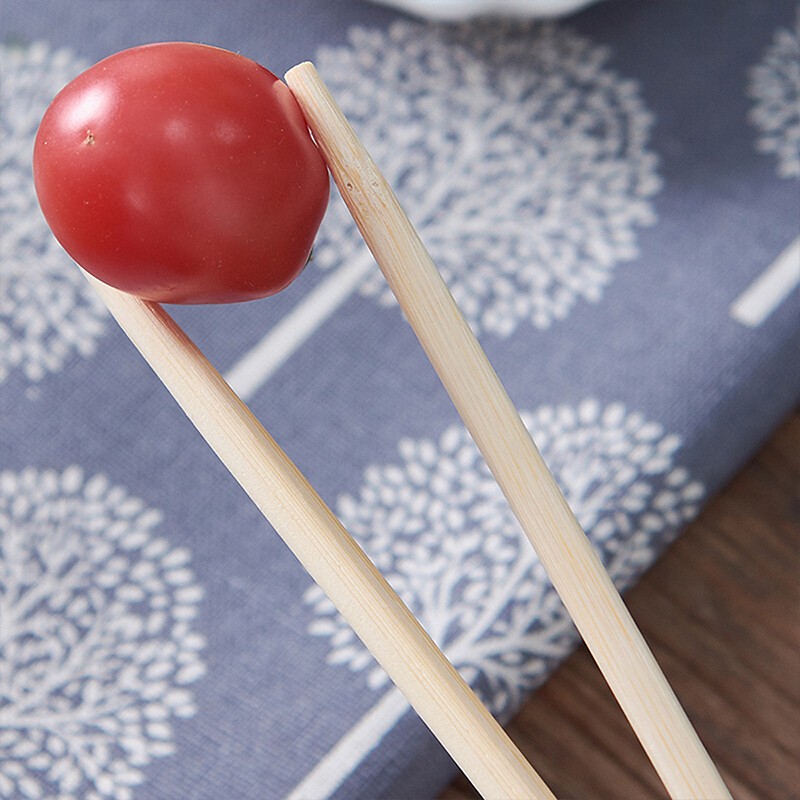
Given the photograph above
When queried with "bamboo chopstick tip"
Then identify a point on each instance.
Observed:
(303, 68)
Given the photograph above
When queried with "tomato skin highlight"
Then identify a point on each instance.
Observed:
(181, 173)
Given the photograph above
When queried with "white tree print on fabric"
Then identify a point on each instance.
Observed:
(775, 87)
(48, 312)
(438, 527)
(97, 650)
(520, 156)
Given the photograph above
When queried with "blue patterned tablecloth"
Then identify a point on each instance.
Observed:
(613, 199)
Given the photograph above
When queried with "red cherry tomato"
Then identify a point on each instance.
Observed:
(181, 173)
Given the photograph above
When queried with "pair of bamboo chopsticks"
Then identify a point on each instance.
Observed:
(435, 690)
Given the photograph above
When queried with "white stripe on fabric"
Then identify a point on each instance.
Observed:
(258, 365)
(341, 761)
(770, 289)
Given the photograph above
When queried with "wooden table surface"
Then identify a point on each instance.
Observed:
(721, 611)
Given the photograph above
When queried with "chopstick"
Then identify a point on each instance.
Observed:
(587, 591)
(332, 558)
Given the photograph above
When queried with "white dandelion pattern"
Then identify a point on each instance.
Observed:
(437, 525)
(97, 650)
(520, 156)
(48, 312)
(775, 86)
